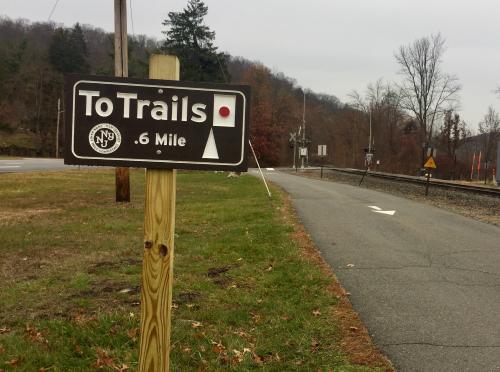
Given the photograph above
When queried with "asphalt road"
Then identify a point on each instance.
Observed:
(32, 164)
(425, 281)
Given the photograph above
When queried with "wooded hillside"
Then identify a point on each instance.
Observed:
(35, 56)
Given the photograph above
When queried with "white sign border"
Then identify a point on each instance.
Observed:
(158, 160)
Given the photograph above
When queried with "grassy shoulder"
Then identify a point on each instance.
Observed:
(245, 294)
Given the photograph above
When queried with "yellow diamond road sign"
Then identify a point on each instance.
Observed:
(430, 163)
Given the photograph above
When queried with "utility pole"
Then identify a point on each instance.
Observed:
(370, 139)
(57, 128)
(122, 175)
(303, 157)
(294, 152)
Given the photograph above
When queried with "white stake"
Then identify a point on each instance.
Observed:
(260, 170)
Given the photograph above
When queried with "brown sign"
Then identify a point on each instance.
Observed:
(156, 123)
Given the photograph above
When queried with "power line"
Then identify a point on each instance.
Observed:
(221, 69)
(131, 17)
(52, 11)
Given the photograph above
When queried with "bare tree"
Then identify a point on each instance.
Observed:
(381, 102)
(453, 131)
(489, 128)
(426, 90)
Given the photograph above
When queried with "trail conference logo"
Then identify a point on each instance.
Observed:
(156, 123)
(105, 138)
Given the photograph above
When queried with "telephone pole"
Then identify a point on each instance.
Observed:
(370, 139)
(57, 128)
(122, 175)
(303, 156)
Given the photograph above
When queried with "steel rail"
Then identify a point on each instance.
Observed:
(484, 190)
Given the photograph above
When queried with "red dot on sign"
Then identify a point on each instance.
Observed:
(224, 111)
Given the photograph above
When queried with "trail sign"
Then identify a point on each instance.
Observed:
(156, 123)
(430, 163)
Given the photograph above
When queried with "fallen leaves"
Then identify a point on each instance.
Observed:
(82, 319)
(103, 359)
(133, 333)
(256, 317)
(239, 355)
(218, 348)
(314, 346)
(35, 335)
(12, 362)
(196, 325)
(78, 350)
(4, 330)
(121, 368)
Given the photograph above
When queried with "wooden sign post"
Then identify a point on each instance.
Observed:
(160, 124)
(159, 225)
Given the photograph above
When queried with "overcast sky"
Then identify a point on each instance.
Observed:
(329, 46)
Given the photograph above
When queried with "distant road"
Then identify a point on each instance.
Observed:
(425, 281)
(32, 164)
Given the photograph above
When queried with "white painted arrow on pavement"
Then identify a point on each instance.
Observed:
(379, 210)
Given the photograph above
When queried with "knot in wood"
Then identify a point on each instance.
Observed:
(148, 244)
(163, 249)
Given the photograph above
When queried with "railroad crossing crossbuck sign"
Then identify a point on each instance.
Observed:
(156, 123)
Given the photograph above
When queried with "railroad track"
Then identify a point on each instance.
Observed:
(452, 185)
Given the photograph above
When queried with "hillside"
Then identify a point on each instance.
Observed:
(34, 56)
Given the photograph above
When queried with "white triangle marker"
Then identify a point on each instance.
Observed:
(210, 148)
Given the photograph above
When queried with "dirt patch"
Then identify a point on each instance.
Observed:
(186, 297)
(108, 265)
(355, 339)
(223, 282)
(10, 217)
(217, 271)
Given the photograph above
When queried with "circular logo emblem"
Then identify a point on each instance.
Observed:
(105, 138)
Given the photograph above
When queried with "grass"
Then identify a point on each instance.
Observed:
(244, 297)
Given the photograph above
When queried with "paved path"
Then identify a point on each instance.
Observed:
(425, 281)
(32, 164)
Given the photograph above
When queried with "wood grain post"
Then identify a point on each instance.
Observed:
(122, 176)
(159, 226)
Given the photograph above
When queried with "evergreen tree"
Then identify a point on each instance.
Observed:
(68, 50)
(57, 50)
(192, 41)
(78, 52)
